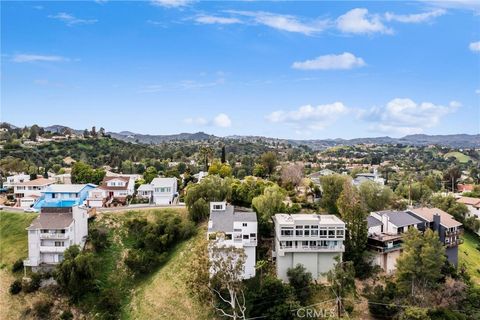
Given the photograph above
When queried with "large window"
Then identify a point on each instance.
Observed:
(340, 233)
(287, 232)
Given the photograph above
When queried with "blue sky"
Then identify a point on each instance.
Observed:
(280, 69)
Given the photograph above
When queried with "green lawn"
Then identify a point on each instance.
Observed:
(470, 256)
(13, 236)
(462, 158)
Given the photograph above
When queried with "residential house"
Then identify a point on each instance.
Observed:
(113, 188)
(473, 205)
(62, 178)
(133, 176)
(374, 177)
(385, 233)
(465, 187)
(315, 177)
(235, 228)
(29, 191)
(448, 229)
(311, 240)
(52, 232)
(15, 179)
(161, 191)
(64, 195)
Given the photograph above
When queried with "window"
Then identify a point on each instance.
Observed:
(314, 233)
(217, 207)
(212, 236)
(228, 236)
(323, 233)
(331, 233)
(339, 233)
(306, 233)
(244, 224)
(253, 235)
(313, 243)
(299, 233)
(304, 244)
(286, 231)
(246, 237)
(59, 244)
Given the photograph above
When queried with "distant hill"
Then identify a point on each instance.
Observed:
(451, 140)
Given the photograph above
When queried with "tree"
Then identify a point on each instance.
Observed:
(332, 186)
(267, 204)
(414, 313)
(224, 155)
(86, 133)
(269, 162)
(342, 281)
(353, 213)
(259, 171)
(226, 268)
(375, 196)
(419, 268)
(291, 175)
(102, 132)
(76, 273)
(34, 132)
(222, 169)
(84, 173)
(149, 174)
(93, 133)
(300, 279)
(451, 176)
(206, 153)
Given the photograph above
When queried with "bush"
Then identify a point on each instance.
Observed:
(66, 315)
(300, 279)
(17, 266)
(42, 308)
(99, 238)
(34, 283)
(110, 302)
(15, 287)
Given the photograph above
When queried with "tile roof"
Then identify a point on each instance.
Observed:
(446, 219)
(469, 201)
(37, 182)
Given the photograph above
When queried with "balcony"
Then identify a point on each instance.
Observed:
(52, 249)
(54, 235)
(340, 248)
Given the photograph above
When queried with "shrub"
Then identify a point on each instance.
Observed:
(300, 279)
(15, 287)
(110, 302)
(17, 266)
(42, 308)
(99, 238)
(66, 315)
(34, 283)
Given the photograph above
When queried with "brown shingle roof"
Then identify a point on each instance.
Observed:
(469, 201)
(37, 182)
(52, 220)
(445, 219)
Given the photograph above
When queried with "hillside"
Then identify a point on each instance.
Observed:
(462, 158)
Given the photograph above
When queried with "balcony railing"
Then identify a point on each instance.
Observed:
(52, 249)
(54, 235)
(313, 248)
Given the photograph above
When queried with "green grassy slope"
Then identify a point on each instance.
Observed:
(13, 236)
(470, 256)
(462, 158)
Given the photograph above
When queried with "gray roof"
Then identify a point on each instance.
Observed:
(400, 218)
(52, 220)
(222, 221)
(373, 222)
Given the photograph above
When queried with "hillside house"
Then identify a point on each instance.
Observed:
(26, 193)
(161, 191)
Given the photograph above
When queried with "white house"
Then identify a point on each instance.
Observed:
(17, 178)
(473, 205)
(385, 233)
(29, 191)
(235, 228)
(134, 176)
(62, 178)
(161, 191)
(374, 177)
(112, 188)
(52, 232)
(311, 240)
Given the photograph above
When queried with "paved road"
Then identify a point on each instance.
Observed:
(140, 207)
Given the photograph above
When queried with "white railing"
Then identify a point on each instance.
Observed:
(52, 249)
(313, 248)
(54, 235)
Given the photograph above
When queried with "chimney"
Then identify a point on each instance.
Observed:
(436, 222)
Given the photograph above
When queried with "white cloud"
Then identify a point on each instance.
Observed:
(415, 18)
(343, 61)
(473, 5)
(360, 21)
(222, 120)
(171, 3)
(475, 46)
(71, 20)
(197, 121)
(405, 116)
(37, 58)
(309, 117)
(287, 23)
(206, 19)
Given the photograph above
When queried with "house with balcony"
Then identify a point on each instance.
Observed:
(28, 192)
(52, 232)
(385, 233)
(64, 195)
(311, 240)
(449, 230)
(15, 179)
(235, 228)
(161, 191)
(112, 189)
